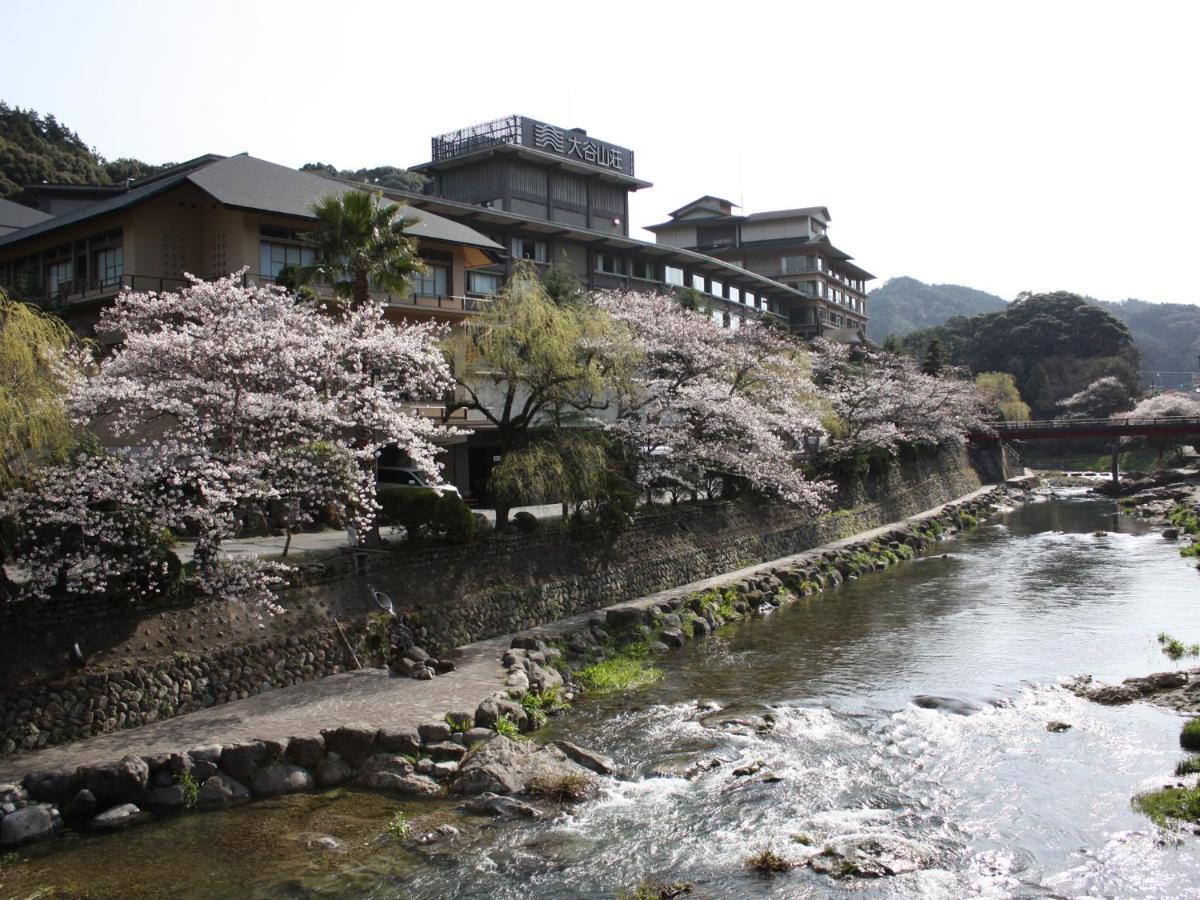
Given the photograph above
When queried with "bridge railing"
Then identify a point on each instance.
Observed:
(1115, 422)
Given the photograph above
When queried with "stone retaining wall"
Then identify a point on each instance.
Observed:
(457, 595)
(424, 760)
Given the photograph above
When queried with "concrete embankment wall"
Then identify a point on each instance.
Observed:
(456, 595)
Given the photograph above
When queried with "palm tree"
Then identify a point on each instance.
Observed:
(361, 244)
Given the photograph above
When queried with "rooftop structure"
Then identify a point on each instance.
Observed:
(790, 246)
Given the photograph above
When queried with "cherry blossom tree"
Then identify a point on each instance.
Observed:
(702, 401)
(217, 386)
(881, 400)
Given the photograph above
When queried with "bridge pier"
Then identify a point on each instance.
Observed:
(1116, 463)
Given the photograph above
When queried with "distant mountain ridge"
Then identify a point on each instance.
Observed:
(1166, 334)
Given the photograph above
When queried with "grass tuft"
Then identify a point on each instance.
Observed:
(1189, 737)
(768, 862)
(398, 825)
(623, 671)
(563, 789)
(1178, 804)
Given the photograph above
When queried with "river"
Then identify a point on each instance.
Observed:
(910, 703)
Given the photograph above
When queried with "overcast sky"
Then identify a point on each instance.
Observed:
(1006, 146)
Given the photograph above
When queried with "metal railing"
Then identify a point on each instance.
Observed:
(1128, 426)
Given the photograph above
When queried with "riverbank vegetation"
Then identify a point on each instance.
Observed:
(626, 669)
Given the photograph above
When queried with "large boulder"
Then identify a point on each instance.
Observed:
(622, 618)
(306, 751)
(170, 798)
(491, 709)
(119, 817)
(504, 766)
(333, 771)
(53, 787)
(33, 823)
(221, 791)
(242, 759)
(489, 804)
(394, 774)
(544, 678)
(281, 778)
(1112, 694)
(118, 782)
(400, 739)
(869, 856)
(597, 762)
(353, 743)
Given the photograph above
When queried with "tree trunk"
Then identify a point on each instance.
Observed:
(360, 291)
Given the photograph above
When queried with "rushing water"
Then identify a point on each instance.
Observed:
(910, 704)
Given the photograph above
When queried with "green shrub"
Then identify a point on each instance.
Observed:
(191, 789)
(769, 862)
(526, 522)
(1189, 766)
(1170, 803)
(1189, 737)
(424, 514)
(507, 727)
(398, 825)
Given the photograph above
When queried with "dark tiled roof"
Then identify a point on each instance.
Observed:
(15, 215)
(245, 182)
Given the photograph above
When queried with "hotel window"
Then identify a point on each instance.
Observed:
(483, 282)
(735, 295)
(751, 300)
(609, 264)
(698, 282)
(673, 276)
(717, 289)
(275, 257)
(718, 316)
(58, 276)
(433, 282)
(644, 270)
(523, 248)
(110, 265)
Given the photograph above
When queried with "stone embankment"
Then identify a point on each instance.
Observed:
(466, 752)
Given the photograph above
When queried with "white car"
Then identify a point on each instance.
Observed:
(404, 476)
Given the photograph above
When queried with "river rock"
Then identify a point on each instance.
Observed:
(597, 762)
(434, 732)
(622, 618)
(476, 736)
(169, 799)
(1057, 727)
(281, 778)
(33, 823)
(118, 782)
(869, 856)
(401, 739)
(545, 678)
(490, 710)
(505, 766)
(53, 787)
(306, 751)
(489, 804)
(333, 771)
(672, 637)
(444, 770)
(1112, 694)
(210, 753)
(221, 791)
(353, 743)
(446, 750)
(240, 760)
(119, 817)
(460, 721)
(439, 835)
(82, 805)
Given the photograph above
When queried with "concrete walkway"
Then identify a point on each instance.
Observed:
(370, 696)
(331, 538)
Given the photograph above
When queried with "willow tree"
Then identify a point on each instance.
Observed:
(528, 362)
(37, 366)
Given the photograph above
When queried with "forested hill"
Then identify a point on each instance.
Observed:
(35, 148)
(904, 304)
(1167, 335)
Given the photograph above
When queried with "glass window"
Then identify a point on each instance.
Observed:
(433, 282)
(751, 300)
(717, 289)
(735, 295)
(644, 270)
(613, 265)
(673, 276)
(274, 257)
(698, 282)
(718, 316)
(58, 276)
(110, 265)
(523, 248)
(483, 282)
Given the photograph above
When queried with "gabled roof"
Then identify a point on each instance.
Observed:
(14, 216)
(790, 213)
(700, 203)
(245, 182)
